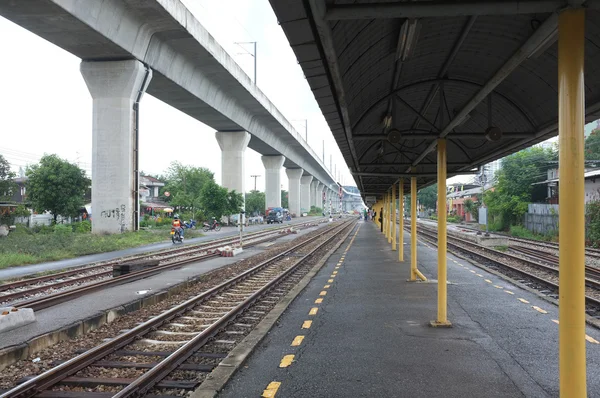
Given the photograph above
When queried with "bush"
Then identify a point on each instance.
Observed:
(63, 230)
(82, 227)
(519, 231)
(455, 219)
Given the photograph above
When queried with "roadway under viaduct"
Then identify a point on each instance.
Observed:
(131, 47)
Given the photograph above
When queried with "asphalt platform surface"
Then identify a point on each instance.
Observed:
(370, 335)
(20, 271)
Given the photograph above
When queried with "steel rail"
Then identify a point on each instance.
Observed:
(53, 376)
(60, 297)
(166, 252)
(588, 299)
(145, 382)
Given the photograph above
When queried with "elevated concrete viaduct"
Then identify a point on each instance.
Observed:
(157, 46)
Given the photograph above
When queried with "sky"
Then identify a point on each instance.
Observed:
(46, 107)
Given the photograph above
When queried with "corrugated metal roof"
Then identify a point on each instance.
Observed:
(351, 65)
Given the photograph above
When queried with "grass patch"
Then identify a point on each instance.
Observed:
(26, 247)
(501, 248)
(519, 231)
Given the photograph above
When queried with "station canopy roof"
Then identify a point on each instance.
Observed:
(392, 77)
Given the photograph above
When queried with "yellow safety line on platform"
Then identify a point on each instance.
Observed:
(332, 276)
(498, 287)
(286, 361)
(509, 292)
(313, 311)
(335, 272)
(538, 309)
(555, 321)
(523, 301)
(271, 389)
(323, 293)
(479, 275)
(297, 341)
(318, 301)
(488, 281)
(591, 339)
(306, 324)
(473, 272)
(330, 281)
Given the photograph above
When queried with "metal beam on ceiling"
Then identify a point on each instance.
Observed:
(317, 9)
(427, 9)
(540, 36)
(388, 174)
(468, 136)
(456, 164)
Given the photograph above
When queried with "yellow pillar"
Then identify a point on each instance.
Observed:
(571, 109)
(390, 218)
(442, 317)
(413, 228)
(401, 216)
(394, 217)
(384, 214)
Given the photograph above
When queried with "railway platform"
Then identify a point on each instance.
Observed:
(369, 336)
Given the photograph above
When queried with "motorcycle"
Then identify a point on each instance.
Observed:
(213, 227)
(176, 235)
(191, 224)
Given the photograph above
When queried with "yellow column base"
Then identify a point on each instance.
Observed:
(417, 277)
(436, 324)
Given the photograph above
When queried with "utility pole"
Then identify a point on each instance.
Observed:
(247, 52)
(255, 176)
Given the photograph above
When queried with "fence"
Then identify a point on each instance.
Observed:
(541, 218)
(542, 208)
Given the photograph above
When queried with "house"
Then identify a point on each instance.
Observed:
(457, 196)
(149, 195)
(591, 185)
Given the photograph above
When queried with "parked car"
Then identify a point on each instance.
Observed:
(274, 216)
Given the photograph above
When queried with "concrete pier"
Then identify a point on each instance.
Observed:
(305, 193)
(273, 179)
(233, 145)
(294, 176)
(114, 87)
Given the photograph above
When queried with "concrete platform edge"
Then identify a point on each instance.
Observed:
(219, 377)
(588, 319)
(10, 355)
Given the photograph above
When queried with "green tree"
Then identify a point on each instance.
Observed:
(592, 145)
(255, 202)
(185, 184)
(57, 186)
(472, 208)
(235, 202)
(507, 203)
(428, 197)
(217, 201)
(6, 179)
(284, 199)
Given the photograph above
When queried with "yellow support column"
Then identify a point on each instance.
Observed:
(401, 216)
(571, 111)
(442, 317)
(394, 217)
(390, 217)
(384, 214)
(413, 228)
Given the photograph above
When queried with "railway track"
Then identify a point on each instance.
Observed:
(196, 253)
(166, 349)
(542, 276)
(589, 251)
